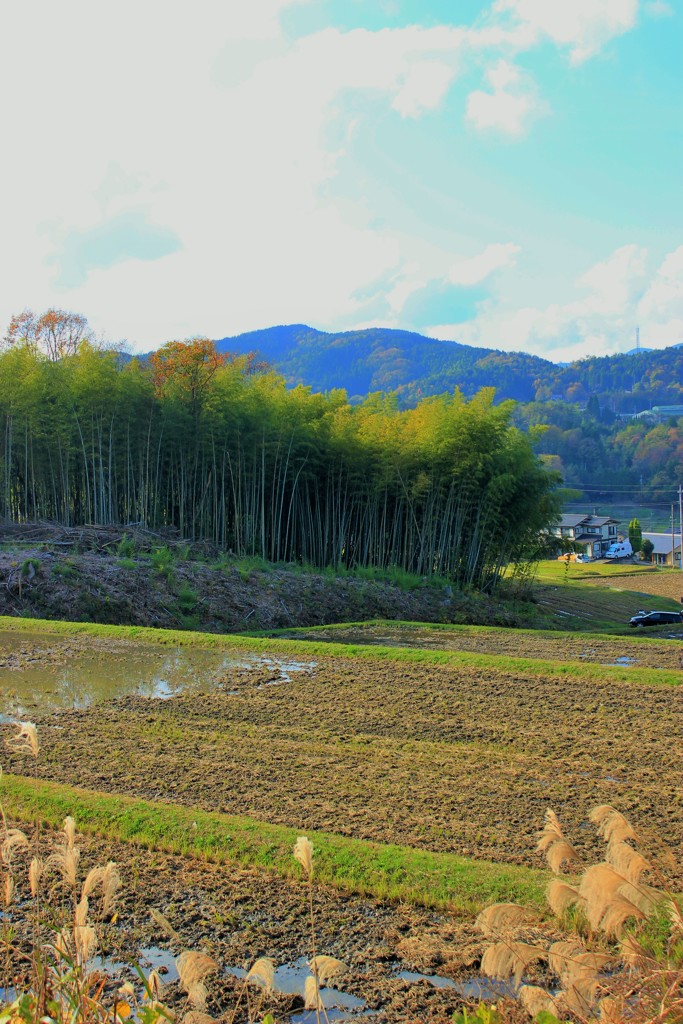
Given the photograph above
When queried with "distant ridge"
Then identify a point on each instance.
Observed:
(381, 359)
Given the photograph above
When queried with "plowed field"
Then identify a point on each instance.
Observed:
(444, 758)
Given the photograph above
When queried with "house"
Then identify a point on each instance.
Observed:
(662, 548)
(594, 533)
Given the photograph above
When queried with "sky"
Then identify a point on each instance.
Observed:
(504, 173)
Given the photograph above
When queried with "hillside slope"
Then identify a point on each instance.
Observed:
(379, 359)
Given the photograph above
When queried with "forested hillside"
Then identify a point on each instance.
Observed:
(223, 450)
(408, 364)
(637, 459)
(414, 366)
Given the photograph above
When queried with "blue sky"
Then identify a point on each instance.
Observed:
(503, 173)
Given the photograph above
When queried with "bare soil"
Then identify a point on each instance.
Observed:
(602, 650)
(440, 758)
(238, 915)
(664, 584)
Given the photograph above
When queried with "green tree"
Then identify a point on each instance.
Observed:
(635, 534)
(646, 549)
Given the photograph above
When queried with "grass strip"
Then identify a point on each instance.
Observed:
(388, 872)
(373, 652)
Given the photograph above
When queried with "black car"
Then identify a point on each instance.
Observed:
(655, 618)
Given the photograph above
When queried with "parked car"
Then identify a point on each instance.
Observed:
(655, 618)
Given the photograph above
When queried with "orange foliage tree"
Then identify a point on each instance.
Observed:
(56, 333)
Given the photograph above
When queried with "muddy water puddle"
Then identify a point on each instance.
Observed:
(39, 673)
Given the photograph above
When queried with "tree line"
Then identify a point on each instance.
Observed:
(218, 446)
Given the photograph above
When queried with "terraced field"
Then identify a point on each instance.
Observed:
(634, 649)
(383, 754)
(462, 757)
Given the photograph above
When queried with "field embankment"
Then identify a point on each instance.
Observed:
(164, 589)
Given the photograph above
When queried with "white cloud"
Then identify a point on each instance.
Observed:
(473, 271)
(620, 294)
(510, 107)
(582, 26)
(423, 88)
(661, 307)
(659, 9)
(436, 267)
(210, 124)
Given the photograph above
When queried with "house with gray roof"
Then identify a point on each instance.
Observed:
(594, 533)
(663, 547)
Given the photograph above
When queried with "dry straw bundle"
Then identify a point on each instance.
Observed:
(615, 902)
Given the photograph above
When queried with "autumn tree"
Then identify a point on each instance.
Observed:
(56, 333)
(185, 369)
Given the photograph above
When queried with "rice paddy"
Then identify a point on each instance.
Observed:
(419, 759)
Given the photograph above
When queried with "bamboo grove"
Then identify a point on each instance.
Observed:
(225, 452)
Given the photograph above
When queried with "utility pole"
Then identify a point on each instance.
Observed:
(673, 538)
(680, 519)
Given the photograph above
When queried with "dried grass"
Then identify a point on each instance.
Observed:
(197, 1017)
(312, 1000)
(14, 840)
(193, 967)
(111, 883)
(81, 912)
(562, 953)
(502, 918)
(303, 853)
(599, 887)
(561, 896)
(561, 853)
(165, 925)
(327, 968)
(645, 897)
(36, 871)
(65, 859)
(85, 939)
(25, 741)
(627, 861)
(612, 824)
(197, 994)
(632, 953)
(510, 959)
(91, 881)
(617, 914)
(262, 972)
(536, 1000)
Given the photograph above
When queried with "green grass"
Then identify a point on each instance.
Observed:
(309, 649)
(556, 571)
(385, 871)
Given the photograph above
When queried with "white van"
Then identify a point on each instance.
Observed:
(620, 549)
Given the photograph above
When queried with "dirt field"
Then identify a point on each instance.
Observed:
(603, 650)
(664, 584)
(440, 758)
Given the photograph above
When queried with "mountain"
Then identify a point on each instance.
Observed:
(379, 359)
(414, 366)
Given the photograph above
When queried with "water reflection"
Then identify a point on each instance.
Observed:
(50, 672)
